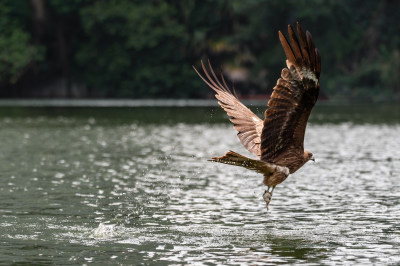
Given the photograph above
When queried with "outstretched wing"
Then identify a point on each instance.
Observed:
(293, 97)
(234, 158)
(248, 125)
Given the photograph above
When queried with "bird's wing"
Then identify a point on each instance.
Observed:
(259, 166)
(293, 96)
(248, 125)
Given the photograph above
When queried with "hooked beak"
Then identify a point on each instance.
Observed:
(312, 158)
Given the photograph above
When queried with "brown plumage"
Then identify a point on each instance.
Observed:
(278, 141)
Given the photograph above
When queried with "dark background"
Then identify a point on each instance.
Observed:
(146, 49)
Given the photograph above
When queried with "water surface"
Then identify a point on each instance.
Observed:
(133, 185)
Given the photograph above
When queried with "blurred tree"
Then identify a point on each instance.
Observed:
(133, 48)
(138, 49)
(17, 53)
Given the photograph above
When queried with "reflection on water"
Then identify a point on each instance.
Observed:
(124, 186)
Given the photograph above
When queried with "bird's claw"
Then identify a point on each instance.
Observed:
(267, 197)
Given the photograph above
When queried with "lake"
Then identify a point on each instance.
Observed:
(133, 186)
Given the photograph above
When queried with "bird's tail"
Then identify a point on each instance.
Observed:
(234, 158)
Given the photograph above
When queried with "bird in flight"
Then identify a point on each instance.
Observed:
(278, 141)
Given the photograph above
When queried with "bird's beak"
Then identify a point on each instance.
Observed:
(312, 158)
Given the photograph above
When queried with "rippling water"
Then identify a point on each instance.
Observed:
(133, 186)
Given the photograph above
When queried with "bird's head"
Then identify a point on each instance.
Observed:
(308, 156)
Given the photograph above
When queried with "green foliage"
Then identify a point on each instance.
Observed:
(16, 50)
(16, 54)
(134, 48)
(134, 43)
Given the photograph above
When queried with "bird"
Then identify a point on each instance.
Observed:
(278, 140)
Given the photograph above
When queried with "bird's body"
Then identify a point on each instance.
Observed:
(278, 140)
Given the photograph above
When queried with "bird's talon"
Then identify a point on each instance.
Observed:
(267, 197)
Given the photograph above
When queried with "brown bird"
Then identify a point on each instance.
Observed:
(278, 141)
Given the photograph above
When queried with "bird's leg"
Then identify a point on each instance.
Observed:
(268, 195)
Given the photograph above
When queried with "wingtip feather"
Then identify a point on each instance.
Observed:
(286, 48)
(295, 43)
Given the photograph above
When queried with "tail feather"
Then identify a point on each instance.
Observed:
(234, 158)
